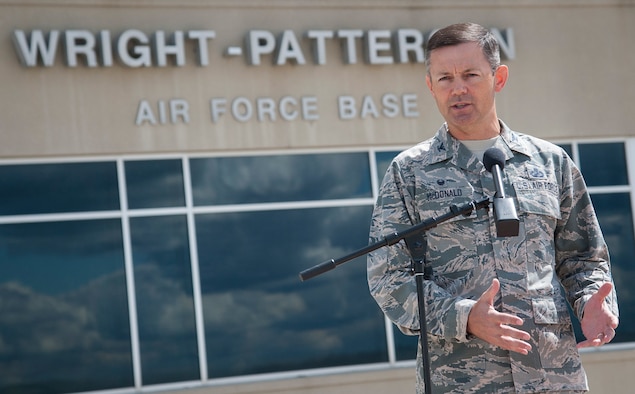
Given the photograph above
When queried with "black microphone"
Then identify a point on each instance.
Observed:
(505, 214)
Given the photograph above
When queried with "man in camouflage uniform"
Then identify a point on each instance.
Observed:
(497, 319)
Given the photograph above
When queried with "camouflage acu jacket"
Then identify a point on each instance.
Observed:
(559, 243)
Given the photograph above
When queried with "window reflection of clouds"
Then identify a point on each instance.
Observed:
(35, 253)
(76, 336)
(617, 226)
(167, 333)
(256, 308)
(162, 241)
(235, 180)
(615, 216)
(298, 236)
(155, 183)
(63, 301)
(165, 306)
(46, 188)
(603, 164)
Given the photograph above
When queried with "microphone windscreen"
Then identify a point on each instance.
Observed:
(493, 156)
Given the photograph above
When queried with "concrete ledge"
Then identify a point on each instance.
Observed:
(393, 380)
(610, 370)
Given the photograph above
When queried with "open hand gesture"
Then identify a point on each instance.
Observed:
(495, 327)
(598, 323)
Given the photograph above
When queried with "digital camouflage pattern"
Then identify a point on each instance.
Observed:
(560, 242)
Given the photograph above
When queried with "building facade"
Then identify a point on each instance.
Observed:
(168, 167)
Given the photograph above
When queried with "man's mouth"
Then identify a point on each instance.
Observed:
(460, 105)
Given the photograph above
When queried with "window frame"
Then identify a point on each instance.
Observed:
(124, 213)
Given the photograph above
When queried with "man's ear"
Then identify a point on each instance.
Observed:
(500, 77)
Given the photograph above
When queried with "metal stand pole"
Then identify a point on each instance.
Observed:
(417, 246)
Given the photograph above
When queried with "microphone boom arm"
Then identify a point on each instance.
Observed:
(392, 239)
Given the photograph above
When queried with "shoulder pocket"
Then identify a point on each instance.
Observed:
(538, 195)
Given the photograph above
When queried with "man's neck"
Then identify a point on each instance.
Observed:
(476, 132)
(478, 147)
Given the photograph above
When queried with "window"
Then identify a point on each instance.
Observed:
(264, 179)
(259, 317)
(64, 315)
(155, 183)
(164, 294)
(136, 273)
(605, 170)
(603, 164)
(55, 188)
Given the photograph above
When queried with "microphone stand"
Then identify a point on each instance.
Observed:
(414, 238)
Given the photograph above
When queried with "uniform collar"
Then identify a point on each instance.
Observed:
(446, 147)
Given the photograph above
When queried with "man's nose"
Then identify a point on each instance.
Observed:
(459, 87)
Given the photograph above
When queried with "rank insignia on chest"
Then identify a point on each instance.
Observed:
(534, 172)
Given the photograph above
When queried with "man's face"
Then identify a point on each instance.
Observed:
(463, 86)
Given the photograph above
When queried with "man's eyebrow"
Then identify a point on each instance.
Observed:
(467, 70)
(442, 73)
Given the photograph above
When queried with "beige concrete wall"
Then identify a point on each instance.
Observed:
(570, 77)
(608, 371)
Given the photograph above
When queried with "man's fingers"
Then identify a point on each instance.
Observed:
(514, 340)
(589, 343)
(515, 345)
(491, 291)
(598, 323)
(496, 327)
(604, 291)
(609, 335)
(510, 338)
(599, 340)
(507, 319)
(515, 333)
